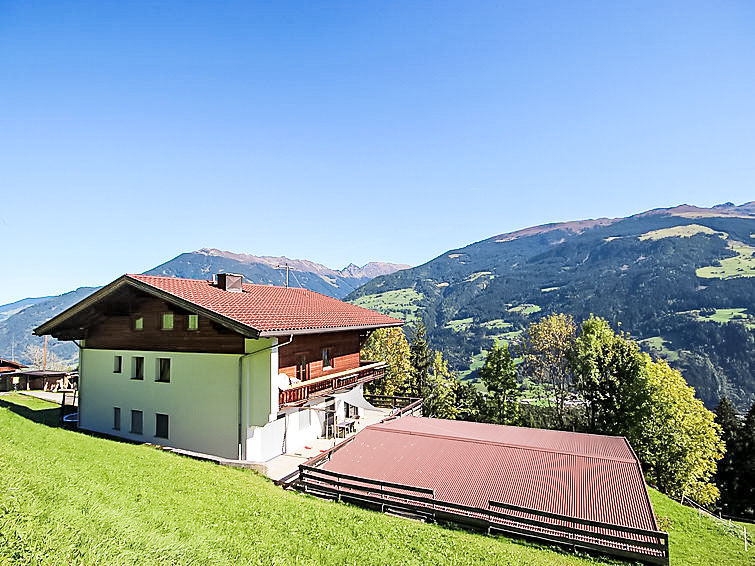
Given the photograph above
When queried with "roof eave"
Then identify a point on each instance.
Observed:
(298, 331)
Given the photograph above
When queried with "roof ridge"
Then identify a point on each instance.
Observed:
(498, 443)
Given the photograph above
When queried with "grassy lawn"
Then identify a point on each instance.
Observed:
(69, 498)
(401, 303)
(698, 540)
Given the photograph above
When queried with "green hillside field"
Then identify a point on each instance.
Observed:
(71, 498)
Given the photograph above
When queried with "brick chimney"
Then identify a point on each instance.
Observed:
(230, 282)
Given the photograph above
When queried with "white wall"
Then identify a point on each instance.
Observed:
(201, 399)
(292, 432)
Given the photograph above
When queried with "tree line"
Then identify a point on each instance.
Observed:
(586, 377)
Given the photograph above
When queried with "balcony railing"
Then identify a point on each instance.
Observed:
(301, 392)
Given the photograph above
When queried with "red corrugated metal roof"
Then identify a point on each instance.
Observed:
(267, 308)
(578, 475)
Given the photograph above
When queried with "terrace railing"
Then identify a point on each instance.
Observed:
(327, 384)
(400, 406)
(627, 542)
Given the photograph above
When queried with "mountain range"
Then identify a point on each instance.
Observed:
(681, 280)
(18, 319)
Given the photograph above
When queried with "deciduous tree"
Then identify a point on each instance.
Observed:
(609, 373)
(391, 346)
(498, 374)
(441, 399)
(679, 441)
(546, 349)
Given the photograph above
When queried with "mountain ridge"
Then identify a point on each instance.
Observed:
(681, 279)
(26, 314)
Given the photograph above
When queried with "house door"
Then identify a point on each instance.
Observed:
(302, 370)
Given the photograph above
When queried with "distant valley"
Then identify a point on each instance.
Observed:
(681, 280)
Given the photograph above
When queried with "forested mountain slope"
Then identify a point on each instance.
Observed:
(682, 280)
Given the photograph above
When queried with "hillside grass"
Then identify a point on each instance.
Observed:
(70, 498)
(740, 265)
(683, 231)
(401, 303)
(526, 309)
(657, 345)
(725, 315)
(459, 324)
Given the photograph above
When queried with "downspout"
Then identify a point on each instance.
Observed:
(241, 380)
(77, 395)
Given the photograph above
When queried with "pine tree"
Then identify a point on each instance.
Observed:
(746, 466)
(728, 473)
(421, 359)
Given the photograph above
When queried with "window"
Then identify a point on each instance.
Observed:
(137, 367)
(116, 418)
(136, 422)
(167, 321)
(302, 373)
(193, 322)
(139, 323)
(327, 359)
(161, 425)
(117, 364)
(163, 370)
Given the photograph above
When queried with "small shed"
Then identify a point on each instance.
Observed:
(8, 367)
(44, 380)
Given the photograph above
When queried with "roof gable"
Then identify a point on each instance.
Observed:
(259, 310)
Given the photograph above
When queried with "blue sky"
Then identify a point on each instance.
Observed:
(354, 131)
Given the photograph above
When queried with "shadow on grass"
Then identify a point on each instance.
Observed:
(49, 417)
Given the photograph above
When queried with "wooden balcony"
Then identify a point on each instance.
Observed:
(326, 385)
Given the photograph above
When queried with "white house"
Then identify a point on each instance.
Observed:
(223, 368)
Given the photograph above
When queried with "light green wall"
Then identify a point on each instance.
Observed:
(258, 368)
(201, 399)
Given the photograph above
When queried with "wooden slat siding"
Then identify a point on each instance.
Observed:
(368, 491)
(115, 332)
(344, 346)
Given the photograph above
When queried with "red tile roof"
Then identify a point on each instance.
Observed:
(270, 309)
(9, 365)
(586, 476)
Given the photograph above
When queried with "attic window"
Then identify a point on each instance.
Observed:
(167, 321)
(193, 322)
(139, 323)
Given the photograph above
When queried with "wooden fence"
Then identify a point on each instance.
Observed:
(617, 540)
